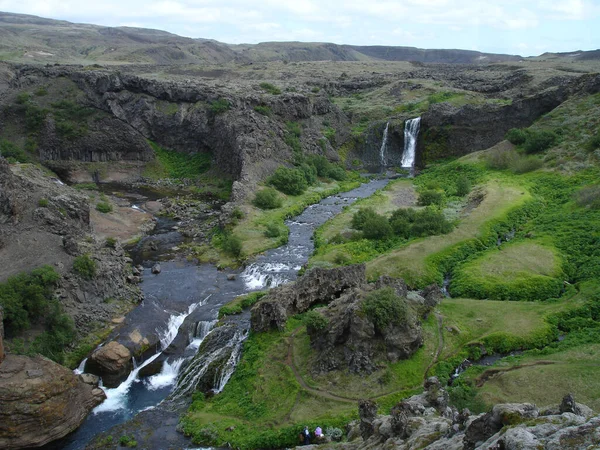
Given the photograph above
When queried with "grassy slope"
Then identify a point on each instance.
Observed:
(409, 262)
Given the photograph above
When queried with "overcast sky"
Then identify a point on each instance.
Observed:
(525, 27)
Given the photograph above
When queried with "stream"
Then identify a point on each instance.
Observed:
(180, 308)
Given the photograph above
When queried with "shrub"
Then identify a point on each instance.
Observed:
(334, 433)
(463, 186)
(104, 207)
(237, 213)
(128, 441)
(593, 143)
(41, 92)
(232, 244)
(270, 88)
(315, 322)
(516, 136)
(337, 173)
(377, 227)
(429, 222)
(310, 173)
(430, 197)
(22, 98)
(10, 150)
(219, 106)
(289, 181)
(111, 242)
(267, 199)
(85, 266)
(526, 164)
(589, 197)
(538, 141)
(26, 297)
(361, 216)
(43, 202)
(384, 307)
(272, 230)
(264, 110)
(500, 159)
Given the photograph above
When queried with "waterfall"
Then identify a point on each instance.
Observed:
(383, 146)
(81, 368)
(411, 132)
(188, 380)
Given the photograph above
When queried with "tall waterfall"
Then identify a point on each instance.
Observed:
(383, 146)
(411, 132)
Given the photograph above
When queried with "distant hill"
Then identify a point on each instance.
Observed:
(25, 38)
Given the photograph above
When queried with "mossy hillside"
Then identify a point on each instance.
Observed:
(517, 271)
(177, 165)
(426, 260)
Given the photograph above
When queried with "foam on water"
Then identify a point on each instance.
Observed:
(167, 375)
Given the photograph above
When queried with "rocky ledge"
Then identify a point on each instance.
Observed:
(427, 421)
(41, 401)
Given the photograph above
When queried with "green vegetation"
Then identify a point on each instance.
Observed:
(520, 271)
(128, 441)
(219, 106)
(28, 300)
(232, 244)
(292, 138)
(270, 88)
(588, 197)
(43, 202)
(85, 266)
(238, 304)
(86, 186)
(289, 181)
(104, 207)
(431, 197)
(267, 199)
(12, 153)
(264, 110)
(315, 321)
(384, 307)
(172, 164)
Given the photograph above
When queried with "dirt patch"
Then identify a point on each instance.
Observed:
(123, 223)
(404, 197)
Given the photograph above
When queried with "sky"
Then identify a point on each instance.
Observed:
(524, 27)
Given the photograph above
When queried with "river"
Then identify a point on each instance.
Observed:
(181, 306)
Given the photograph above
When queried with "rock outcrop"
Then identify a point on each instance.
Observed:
(41, 401)
(426, 421)
(112, 362)
(345, 337)
(316, 286)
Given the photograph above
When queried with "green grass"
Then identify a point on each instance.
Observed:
(241, 302)
(171, 164)
(520, 271)
(412, 261)
(262, 401)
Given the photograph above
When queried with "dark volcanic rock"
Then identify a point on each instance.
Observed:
(41, 401)
(367, 411)
(316, 286)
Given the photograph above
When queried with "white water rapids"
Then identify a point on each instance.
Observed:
(411, 133)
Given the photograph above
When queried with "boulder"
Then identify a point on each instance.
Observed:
(367, 411)
(156, 269)
(89, 378)
(41, 401)
(112, 362)
(316, 286)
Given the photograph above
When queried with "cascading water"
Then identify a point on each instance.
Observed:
(383, 146)
(411, 133)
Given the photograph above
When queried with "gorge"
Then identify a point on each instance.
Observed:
(225, 248)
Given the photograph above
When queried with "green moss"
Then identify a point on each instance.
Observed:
(172, 164)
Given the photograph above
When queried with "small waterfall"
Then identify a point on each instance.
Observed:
(167, 375)
(188, 380)
(117, 398)
(81, 368)
(261, 276)
(383, 146)
(200, 331)
(411, 133)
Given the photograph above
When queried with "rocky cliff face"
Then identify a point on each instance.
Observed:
(450, 131)
(1, 336)
(41, 401)
(43, 222)
(428, 421)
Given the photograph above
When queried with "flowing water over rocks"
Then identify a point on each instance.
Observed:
(411, 133)
(178, 314)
